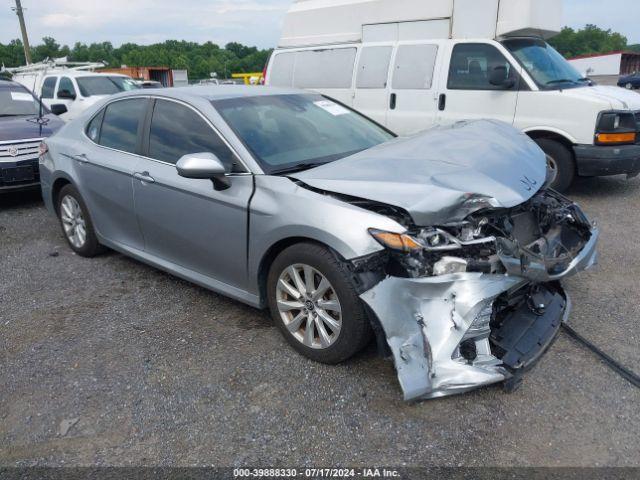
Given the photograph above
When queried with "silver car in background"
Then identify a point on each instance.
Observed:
(445, 246)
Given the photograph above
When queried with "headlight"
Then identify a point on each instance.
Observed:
(396, 241)
(616, 128)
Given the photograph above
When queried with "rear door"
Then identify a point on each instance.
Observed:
(371, 95)
(468, 94)
(413, 93)
(186, 221)
(104, 164)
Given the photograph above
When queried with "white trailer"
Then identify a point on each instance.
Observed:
(410, 64)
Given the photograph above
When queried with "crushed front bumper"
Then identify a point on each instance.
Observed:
(430, 322)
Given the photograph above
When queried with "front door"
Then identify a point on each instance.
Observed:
(468, 94)
(186, 221)
(105, 163)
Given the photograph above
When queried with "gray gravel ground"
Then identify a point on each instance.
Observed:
(160, 372)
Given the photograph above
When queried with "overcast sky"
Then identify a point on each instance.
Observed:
(252, 22)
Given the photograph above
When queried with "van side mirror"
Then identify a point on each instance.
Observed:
(58, 108)
(66, 95)
(499, 77)
(204, 166)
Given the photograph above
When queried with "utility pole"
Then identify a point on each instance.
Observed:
(23, 28)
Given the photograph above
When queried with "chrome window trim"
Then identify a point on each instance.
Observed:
(22, 140)
(181, 102)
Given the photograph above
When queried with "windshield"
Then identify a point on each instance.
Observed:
(16, 101)
(104, 85)
(289, 133)
(546, 66)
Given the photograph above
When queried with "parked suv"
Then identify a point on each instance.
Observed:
(23, 125)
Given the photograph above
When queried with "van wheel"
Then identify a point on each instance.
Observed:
(314, 303)
(76, 223)
(561, 161)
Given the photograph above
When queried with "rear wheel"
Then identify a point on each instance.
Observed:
(76, 223)
(560, 161)
(313, 302)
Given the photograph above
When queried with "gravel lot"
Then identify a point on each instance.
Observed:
(159, 372)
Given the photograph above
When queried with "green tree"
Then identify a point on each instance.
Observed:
(591, 39)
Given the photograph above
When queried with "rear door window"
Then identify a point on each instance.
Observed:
(122, 120)
(48, 87)
(177, 130)
(414, 66)
(327, 68)
(373, 67)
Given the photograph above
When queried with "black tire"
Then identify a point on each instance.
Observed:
(91, 246)
(563, 158)
(356, 330)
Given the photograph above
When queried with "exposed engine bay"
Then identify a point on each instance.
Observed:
(479, 301)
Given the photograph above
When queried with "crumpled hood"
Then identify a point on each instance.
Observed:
(443, 174)
(25, 127)
(617, 98)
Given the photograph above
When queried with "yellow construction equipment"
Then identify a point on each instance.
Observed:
(250, 78)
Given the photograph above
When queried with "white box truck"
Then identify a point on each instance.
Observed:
(410, 64)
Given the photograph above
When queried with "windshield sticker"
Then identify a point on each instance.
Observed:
(331, 107)
(21, 97)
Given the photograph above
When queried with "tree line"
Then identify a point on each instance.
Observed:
(199, 59)
(203, 59)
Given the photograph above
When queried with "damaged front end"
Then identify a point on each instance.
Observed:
(476, 301)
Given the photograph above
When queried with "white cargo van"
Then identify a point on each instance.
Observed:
(409, 64)
(70, 88)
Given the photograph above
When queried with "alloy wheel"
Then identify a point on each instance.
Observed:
(309, 306)
(73, 221)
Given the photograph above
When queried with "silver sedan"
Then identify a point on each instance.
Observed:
(446, 246)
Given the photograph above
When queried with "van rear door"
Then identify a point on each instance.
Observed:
(412, 103)
(467, 92)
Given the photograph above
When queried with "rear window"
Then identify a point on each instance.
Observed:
(121, 122)
(326, 68)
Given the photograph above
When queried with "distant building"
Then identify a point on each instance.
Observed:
(164, 75)
(606, 68)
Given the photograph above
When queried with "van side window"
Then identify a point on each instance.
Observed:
(48, 87)
(326, 68)
(281, 72)
(414, 67)
(373, 68)
(66, 85)
(471, 64)
(121, 122)
(177, 130)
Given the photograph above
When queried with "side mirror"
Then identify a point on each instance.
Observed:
(204, 166)
(58, 109)
(500, 78)
(66, 95)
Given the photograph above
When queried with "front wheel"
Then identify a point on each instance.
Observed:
(561, 163)
(629, 86)
(76, 223)
(315, 305)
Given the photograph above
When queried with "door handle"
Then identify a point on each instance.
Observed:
(392, 101)
(442, 102)
(144, 177)
(82, 158)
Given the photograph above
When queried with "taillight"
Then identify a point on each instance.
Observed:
(42, 149)
(264, 74)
